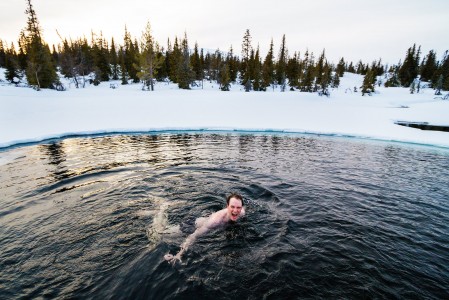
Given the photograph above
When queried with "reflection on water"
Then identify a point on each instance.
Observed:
(326, 218)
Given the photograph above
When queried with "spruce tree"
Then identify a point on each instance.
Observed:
(251, 67)
(368, 83)
(233, 65)
(55, 56)
(293, 71)
(196, 63)
(409, 69)
(351, 68)
(148, 59)
(335, 80)
(245, 65)
(443, 71)
(68, 61)
(2, 54)
(167, 60)
(225, 78)
(40, 71)
(12, 72)
(326, 79)
(185, 74)
(114, 61)
(340, 67)
(319, 72)
(393, 81)
(281, 65)
(175, 61)
(131, 57)
(161, 69)
(306, 81)
(361, 68)
(21, 55)
(257, 80)
(268, 68)
(123, 71)
(428, 66)
(100, 52)
(439, 85)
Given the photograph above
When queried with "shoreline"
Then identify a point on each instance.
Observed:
(45, 140)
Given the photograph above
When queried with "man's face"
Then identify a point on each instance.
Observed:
(234, 209)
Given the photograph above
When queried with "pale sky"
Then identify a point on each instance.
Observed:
(354, 29)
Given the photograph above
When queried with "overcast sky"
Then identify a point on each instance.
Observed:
(354, 29)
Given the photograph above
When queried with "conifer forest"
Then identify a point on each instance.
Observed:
(146, 61)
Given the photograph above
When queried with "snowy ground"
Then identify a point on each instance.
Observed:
(29, 116)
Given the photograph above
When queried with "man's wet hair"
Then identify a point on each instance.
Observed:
(236, 196)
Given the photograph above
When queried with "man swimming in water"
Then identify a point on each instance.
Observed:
(233, 211)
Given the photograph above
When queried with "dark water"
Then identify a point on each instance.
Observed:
(326, 218)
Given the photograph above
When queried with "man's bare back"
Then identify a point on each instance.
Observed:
(233, 211)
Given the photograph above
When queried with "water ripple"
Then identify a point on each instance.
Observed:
(326, 218)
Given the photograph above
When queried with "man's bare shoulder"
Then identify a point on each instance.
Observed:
(217, 218)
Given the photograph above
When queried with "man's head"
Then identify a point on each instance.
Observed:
(234, 206)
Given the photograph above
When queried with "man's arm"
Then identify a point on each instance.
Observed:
(212, 222)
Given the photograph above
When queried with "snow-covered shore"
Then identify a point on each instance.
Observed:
(30, 116)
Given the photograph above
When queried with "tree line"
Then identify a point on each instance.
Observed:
(145, 61)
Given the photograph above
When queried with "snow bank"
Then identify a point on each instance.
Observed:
(30, 116)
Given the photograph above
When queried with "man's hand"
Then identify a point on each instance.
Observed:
(172, 259)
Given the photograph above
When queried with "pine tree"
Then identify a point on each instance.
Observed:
(123, 72)
(185, 74)
(245, 65)
(100, 53)
(319, 72)
(368, 83)
(40, 70)
(131, 57)
(55, 56)
(251, 67)
(439, 85)
(12, 72)
(409, 69)
(74, 61)
(68, 61)
(326, 79)
(148, 59)
(257, 80)
(340, 67)
(161, 69)
(281, 65)
(225, 79)
(443, 71)
(214, 65)
(86, 57)
(306, 80)
(175, 61)
(361, 68)
(393, 81)
(114, 61)
(293, 71)
(351, 68)
(2, 55)
(233, 65)
(335, 80)
(377, 67)
(428, 66)
(268, 68)
(196, 63)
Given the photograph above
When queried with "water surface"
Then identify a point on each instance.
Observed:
(92, 217)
